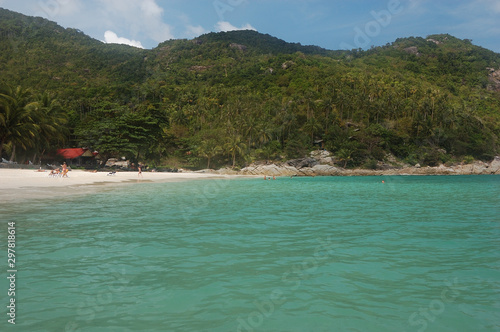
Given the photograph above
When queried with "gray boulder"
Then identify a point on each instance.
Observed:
(495, 166)
(323, 157)
(301, 163)
(326, 170)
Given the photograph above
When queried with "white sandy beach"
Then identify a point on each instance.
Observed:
(19, 184)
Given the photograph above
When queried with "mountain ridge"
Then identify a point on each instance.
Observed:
(412, 98)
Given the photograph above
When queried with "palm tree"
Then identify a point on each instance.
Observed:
(345, 154)
(209, 149)
(51, 123)
(312, 126)
(234, 146)
(17, 122)
(264, 130)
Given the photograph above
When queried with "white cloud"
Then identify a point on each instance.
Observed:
(226, 26)
(192, 31)
(138, 17)
(149, 8)
(112, 38)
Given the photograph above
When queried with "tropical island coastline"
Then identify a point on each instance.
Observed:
(242, 98)
(237, 181)
(25, 184)
(319, 165)
(28, 183)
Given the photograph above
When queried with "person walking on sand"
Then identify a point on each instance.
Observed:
(64, 170)
(140, 171)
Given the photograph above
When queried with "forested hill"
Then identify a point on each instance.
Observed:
(236, 97)
(40, 54)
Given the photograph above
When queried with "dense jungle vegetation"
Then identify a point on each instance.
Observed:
(237, 97)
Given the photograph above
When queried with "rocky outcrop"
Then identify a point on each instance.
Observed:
(479, 167)
(323, 157)
(238, 46)
(287, 64)
(412, 50)
(311, 167)
(437, 42)
(323, 170)
(301, 163)
(494, 78)
(271, 170)
(199, 68)
(495, 165)
(322, 163)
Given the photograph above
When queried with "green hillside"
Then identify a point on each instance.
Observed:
(237, 97)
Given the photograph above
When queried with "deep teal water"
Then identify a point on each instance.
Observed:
(301, 254)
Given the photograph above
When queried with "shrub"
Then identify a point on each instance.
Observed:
(370, 164)
(468, 159)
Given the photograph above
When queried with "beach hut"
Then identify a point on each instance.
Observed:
(77, 156)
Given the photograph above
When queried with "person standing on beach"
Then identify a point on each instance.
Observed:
(64, 170)
(140, 171)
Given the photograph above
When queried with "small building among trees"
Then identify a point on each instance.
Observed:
(78, 156)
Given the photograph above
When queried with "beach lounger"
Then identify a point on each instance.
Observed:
(5, 161)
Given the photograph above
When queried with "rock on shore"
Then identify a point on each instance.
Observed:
(323, 165)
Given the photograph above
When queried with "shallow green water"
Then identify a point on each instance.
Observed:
(301, 254)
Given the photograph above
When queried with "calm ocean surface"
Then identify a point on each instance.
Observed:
(301, 254)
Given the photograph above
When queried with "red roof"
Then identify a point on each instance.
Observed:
(71, 153)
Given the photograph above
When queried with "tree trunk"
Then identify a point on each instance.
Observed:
(13, 155)
(1, 146)
(41, 155)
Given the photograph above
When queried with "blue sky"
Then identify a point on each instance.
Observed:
(331, 24)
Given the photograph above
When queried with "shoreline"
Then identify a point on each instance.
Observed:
(24, 184)
(21, 184)
(317, 168)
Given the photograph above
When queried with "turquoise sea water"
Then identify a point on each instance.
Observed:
(301, 254)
